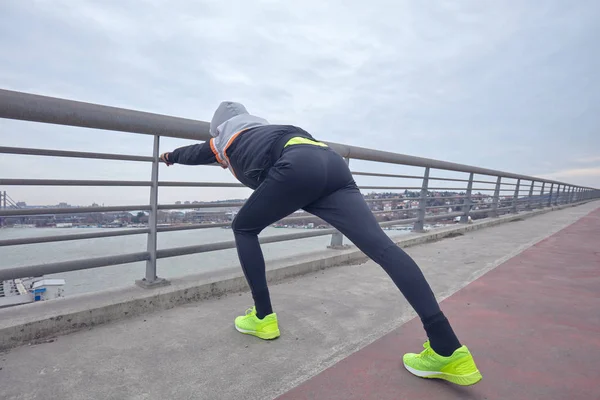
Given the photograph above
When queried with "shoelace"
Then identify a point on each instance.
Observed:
(428, 352)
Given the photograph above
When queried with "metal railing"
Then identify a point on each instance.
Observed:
(509, 192)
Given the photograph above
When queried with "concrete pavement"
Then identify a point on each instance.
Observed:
(193, 351)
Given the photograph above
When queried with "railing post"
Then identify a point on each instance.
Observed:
(557, 198)
(151, 279)
(496, 199)
(516, 197)
(572, 197)
(419, 226)
(337, 239)
(561, 195)
(464, 219)
(2, 206)
(570, 194)
(530, 197)
(550, 196)
(541, 203)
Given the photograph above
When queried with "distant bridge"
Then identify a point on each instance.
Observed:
(7, 202)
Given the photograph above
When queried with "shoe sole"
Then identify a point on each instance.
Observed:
(265, 336)
(462, 380)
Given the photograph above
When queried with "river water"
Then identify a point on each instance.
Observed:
(124, 275)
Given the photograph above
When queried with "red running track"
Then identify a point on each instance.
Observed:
(532, 324)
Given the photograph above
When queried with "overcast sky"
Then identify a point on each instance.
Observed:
(510, 85)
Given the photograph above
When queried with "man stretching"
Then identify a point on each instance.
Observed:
(288, 170)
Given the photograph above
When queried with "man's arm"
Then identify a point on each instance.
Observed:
(196, 154)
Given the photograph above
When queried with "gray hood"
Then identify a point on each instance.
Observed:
(231, 117)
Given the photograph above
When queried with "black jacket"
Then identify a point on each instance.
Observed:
(251, 154)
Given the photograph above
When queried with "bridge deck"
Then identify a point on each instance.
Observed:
(193, 352)
(533, 324)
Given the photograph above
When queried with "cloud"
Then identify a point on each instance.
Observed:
(589, 177)
(576, 172)
(589, 160)
(498, 85)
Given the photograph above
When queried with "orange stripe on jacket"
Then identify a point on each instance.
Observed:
(214, 150)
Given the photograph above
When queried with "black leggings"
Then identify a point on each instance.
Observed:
(318, 180)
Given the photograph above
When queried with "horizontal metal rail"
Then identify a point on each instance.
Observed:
(391, 187)
(447, 197)
(488, 210)
(74, 265)
(446, 206)
(433, 178)
(69, 210)
(358, 173)
(391, 199)
(200, 184)
(111, 232)
(69, 182)
(51, 110)
(72, 154)
(446, 189)
(37, 108)
(188, 227)
(75, 236)
(198, 206)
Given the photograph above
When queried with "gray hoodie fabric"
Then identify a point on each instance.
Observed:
(229, 119)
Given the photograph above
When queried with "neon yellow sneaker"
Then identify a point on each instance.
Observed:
(459, 368)
(266, 328)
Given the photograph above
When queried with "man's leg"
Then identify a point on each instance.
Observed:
(348, 212)
(290, 185)
(265, 206)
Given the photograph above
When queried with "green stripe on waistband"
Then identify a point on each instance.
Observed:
(303, 140)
